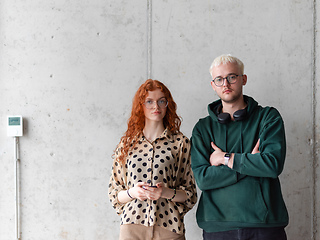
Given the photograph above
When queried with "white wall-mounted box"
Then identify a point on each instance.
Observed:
(15, 126)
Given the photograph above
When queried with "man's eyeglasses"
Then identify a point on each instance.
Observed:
(219, 81)
(162, 103)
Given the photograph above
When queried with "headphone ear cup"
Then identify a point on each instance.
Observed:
(224, 118)
(240, 115)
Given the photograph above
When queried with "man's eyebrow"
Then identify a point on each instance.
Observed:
(227, 75)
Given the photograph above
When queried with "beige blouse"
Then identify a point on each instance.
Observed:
(167, 160)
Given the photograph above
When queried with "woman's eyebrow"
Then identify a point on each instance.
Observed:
(149, 98)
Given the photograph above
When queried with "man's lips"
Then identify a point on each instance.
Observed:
(227, 91)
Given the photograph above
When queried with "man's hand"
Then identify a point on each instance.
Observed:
(217, 157)
(256, 148)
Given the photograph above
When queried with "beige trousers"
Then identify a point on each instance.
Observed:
(140, 232)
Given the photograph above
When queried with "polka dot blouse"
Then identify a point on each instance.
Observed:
(167, 160)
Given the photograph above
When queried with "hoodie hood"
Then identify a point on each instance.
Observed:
(216, 105)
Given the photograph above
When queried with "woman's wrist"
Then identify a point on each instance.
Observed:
(123, 196)
(174, 195)
(168, 193)
(129, 194)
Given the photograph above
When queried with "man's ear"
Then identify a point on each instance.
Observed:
(213, 86)
(244, 79)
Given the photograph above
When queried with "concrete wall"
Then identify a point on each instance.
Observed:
(70, 68)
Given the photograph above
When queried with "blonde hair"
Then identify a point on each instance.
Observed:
(227, 58)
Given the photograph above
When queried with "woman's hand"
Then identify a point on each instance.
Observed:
(138, 191)
(154, 192)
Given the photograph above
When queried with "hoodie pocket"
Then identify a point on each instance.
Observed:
(241, 202)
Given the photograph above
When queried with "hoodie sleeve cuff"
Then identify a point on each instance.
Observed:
(237, 163)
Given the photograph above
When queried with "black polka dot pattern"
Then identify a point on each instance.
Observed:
(165, 160)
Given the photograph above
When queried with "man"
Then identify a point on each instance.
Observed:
(237, 154)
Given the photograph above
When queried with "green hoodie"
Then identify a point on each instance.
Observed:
(249, 194)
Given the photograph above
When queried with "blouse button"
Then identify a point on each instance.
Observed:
(149, 158)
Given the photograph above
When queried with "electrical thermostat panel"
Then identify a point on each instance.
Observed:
(15, 126)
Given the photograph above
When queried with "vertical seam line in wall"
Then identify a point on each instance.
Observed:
(149, 38)
(314, 140)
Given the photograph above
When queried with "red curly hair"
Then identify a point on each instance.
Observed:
(136, 121)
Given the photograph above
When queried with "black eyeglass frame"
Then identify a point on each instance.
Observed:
(228, 78)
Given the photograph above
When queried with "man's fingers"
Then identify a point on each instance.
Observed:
(215, 147)
(256, 147)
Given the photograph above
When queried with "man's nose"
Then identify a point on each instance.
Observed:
(226, 82)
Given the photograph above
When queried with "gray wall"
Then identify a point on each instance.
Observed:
(71, 68)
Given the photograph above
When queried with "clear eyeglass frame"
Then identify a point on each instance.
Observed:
(162, 103)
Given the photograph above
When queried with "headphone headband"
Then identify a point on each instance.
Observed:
(225, 118)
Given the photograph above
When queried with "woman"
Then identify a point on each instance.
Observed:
(152, 184)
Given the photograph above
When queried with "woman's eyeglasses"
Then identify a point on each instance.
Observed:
(162, 103)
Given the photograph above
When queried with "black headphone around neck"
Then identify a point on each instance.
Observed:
(225, 118)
